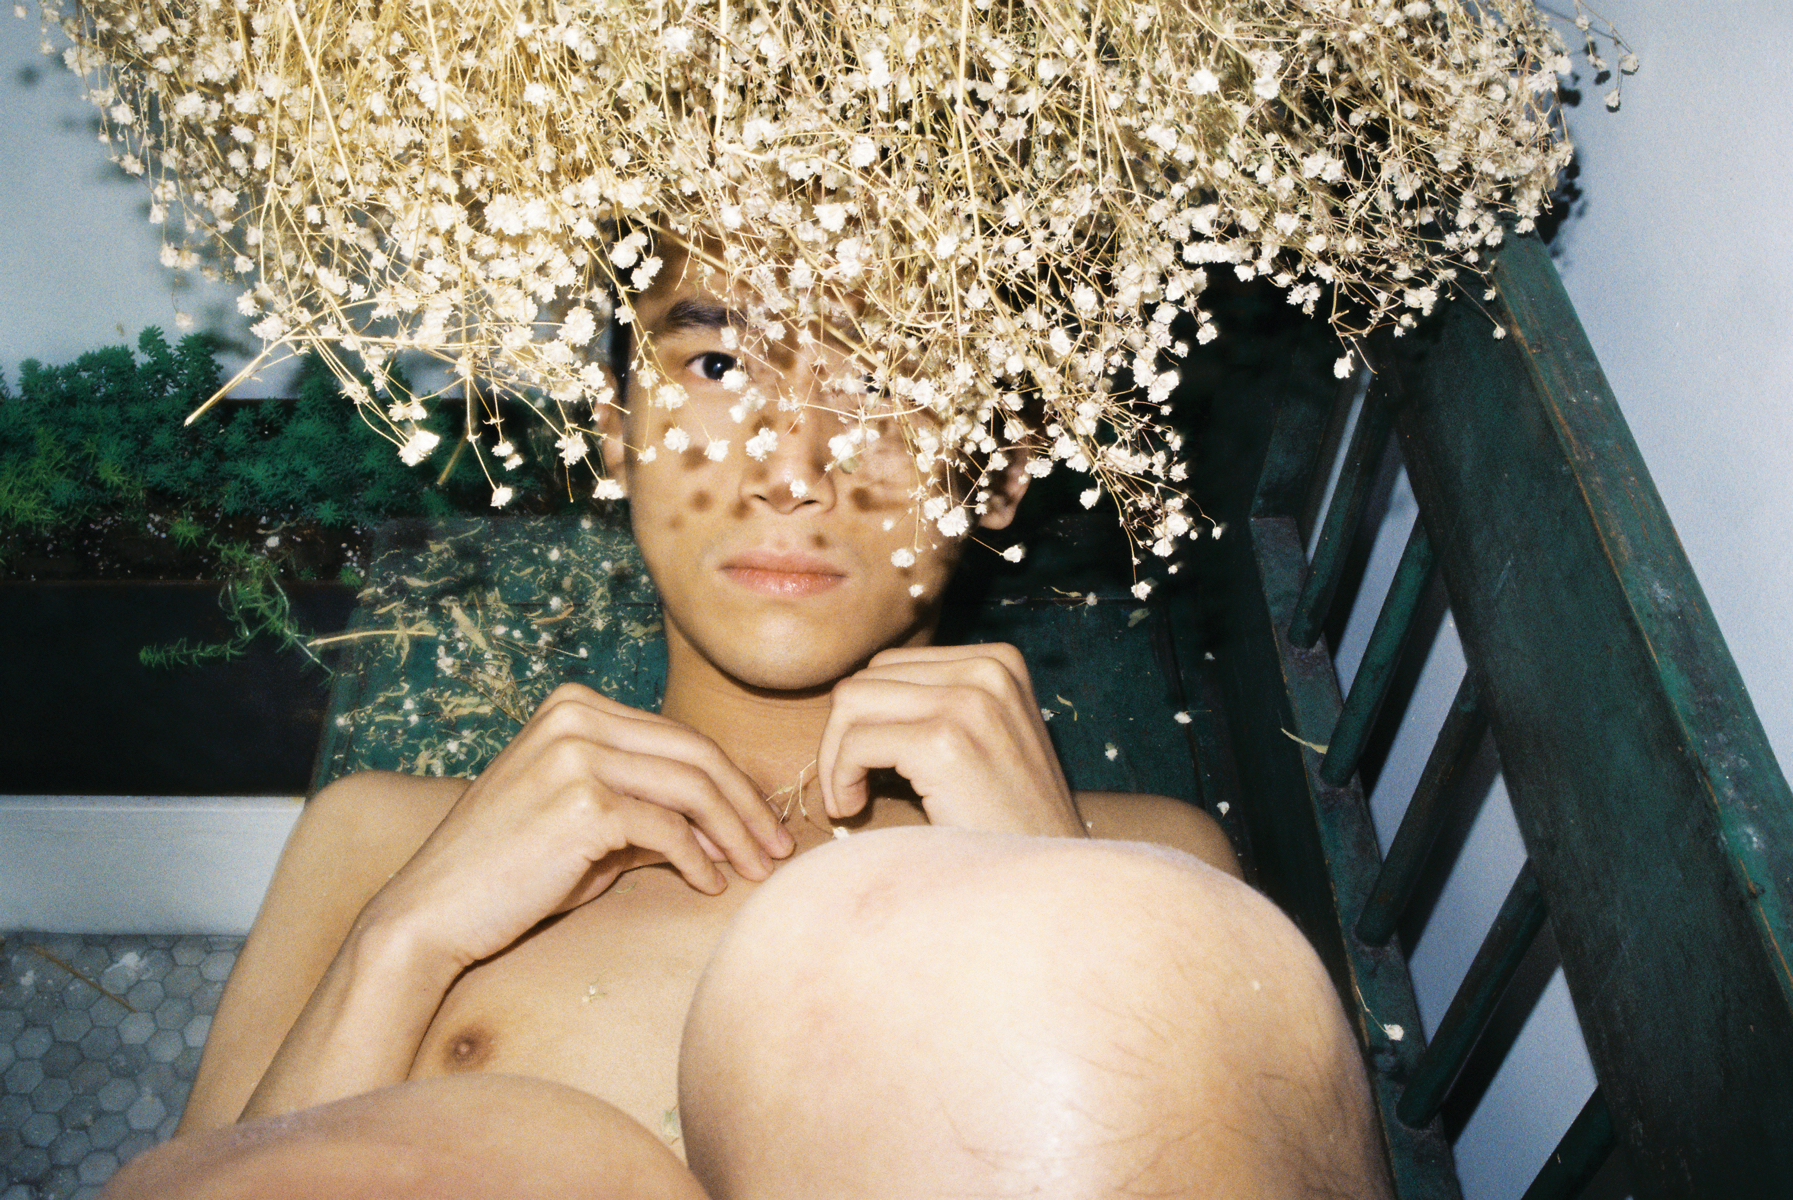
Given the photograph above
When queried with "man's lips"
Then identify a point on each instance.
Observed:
(779, 573)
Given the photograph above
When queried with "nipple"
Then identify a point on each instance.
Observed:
(468, 1051)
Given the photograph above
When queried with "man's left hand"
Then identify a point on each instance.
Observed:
(960, 723)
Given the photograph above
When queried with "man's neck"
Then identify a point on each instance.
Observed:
(773, 737)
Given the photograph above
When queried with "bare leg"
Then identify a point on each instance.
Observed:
(466, 1137)
(930, 1012)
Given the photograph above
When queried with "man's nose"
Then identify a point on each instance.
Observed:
(793, 435)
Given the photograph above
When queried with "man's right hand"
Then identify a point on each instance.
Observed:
(589, 789)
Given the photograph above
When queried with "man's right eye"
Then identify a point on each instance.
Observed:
(715, 365)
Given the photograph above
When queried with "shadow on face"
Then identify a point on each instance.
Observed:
(782, 511)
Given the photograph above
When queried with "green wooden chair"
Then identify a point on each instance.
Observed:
(1659, 829)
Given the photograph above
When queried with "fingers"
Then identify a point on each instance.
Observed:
(978, 656)
(578, 712)
(628, 827)
(962, 725)
(997, 668)
(662, 831)
(718, 830)
(859, 750)
(911, 748)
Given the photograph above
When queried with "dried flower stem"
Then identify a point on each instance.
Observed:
(1006, 208)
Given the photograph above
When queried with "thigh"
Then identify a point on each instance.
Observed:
(921, 1012)
(466, 1137)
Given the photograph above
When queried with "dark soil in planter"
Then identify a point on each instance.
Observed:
(79, 714)
(140, 545)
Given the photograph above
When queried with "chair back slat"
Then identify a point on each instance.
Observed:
(1579, 1156)
(1315, 847)
(1430, 809)
(1380, 658)
(1343, 515)
(1521, 916)
(1312, 845)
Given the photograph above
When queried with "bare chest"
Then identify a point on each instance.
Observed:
(595, 1000)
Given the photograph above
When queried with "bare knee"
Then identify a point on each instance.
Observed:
(1073, 1018)
(482, 1137)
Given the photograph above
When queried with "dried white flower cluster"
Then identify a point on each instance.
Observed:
(1001, 206)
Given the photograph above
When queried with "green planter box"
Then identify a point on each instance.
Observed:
(79, 714)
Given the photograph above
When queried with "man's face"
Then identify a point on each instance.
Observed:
(775, 567)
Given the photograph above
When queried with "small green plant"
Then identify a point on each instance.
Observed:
(255, 603)
(107, 432)
(105, 436)
(37, 489)
(186, 532)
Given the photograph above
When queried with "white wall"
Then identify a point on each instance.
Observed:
(79, 264)
(1681, 267)
(139, 864)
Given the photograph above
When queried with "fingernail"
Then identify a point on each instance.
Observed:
(786, 843)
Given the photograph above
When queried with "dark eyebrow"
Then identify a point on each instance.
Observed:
(698, 314)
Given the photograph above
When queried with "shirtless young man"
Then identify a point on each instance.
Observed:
(482, 989)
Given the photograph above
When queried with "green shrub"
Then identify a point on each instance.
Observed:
(107, 431)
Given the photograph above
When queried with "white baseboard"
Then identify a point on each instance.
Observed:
(139, 864)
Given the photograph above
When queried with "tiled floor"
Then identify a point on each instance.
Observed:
(99, 1039)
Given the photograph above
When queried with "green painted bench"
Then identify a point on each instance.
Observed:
(1658, 827)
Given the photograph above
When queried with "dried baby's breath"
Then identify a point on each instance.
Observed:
(1006, 209)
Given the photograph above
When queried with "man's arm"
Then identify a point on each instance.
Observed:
(352, 837)
(589, 789)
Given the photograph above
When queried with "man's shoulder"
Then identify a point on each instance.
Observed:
(375, 802)
(349, 840)
(387, 796)
(373, 821)
(1163, 820)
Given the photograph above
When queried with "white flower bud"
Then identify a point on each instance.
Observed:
(572, 447)
(417, 447)
(762, 444)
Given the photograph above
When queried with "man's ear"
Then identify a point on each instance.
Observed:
(1007, 486)
(613, 425)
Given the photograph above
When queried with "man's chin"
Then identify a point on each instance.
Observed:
(795, 675)
(775, 653)
(793, 662)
